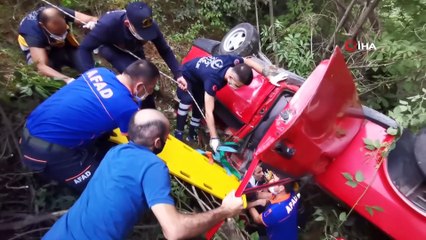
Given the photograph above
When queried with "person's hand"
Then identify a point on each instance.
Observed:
(214, 143)
(90, 25)
(182, 84)
(263, 202)
(69, 80)
(232, 205)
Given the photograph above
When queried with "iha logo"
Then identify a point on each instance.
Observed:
(351, 45)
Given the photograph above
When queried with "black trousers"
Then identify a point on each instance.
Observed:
(72, 167)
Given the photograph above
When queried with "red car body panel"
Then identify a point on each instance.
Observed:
(399, 218)
(324, 127)
(318, 126)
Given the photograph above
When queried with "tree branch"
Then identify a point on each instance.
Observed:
(362, 18)
(342, 21)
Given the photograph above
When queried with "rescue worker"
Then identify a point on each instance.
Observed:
(280, 216)
(203, 77)
(129, 180)
(62, 138)
(46, 40)
(127, 30)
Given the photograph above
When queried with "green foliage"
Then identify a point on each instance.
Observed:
(28, 83)
(412, 112)
(371, 209)
(197, 18)
(330, 220)
(353, 181)
(398, 65)
(254, 236)
(293, 33)
(392, 131)
(372, 145)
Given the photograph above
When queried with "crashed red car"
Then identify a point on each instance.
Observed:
(317, 127)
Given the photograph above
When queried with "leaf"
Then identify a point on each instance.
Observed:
(403, 102)
(352, 184)
(377, 144)
(369, 144)
(392, 131)
(319, 219)
(348, 176)
(368, 141)
(370, 147)
(254, 236)
(342, 216)
(359, 177)
(369, 210)
(377, 208)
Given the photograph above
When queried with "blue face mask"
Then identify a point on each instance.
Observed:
(138, 99)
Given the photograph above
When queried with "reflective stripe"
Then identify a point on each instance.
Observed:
(195, 124)
(35, 159)
(76, 176)
(196, 119)
(182, 112)
(22, 43)
(184, 106)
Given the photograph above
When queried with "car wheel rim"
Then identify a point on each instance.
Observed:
(235, 39)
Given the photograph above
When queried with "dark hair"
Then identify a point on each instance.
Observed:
(146, 133)
(244, 73)
(142, 69)
(42, 16)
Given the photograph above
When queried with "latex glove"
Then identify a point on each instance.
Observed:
(214, 143)
(90, 25)
(182, 83)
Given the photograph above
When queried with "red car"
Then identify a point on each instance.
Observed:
(317, 127)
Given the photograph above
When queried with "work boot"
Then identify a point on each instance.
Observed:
(178, 134)
(193, 134)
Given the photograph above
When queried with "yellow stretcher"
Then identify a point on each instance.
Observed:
(192, 167)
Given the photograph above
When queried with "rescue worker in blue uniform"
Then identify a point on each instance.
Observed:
(130, 180)
(62, 136)
(127, 30)
(46, 40)
(280, 216)
(203, 78)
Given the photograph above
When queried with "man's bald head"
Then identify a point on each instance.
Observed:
(148, 127)
(53, 20)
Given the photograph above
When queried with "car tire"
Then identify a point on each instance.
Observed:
(242, 40)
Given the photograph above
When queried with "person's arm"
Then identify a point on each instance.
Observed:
(253, 64)
(167, 54)
(209, 106)
(180, 226)
(40, 58)
(257, 218)
(258, 202)
(92, 41)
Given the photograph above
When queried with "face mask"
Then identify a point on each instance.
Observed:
(144, 96)
(157, 151)
(134, 33)
(272, 190)
(60, 38)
